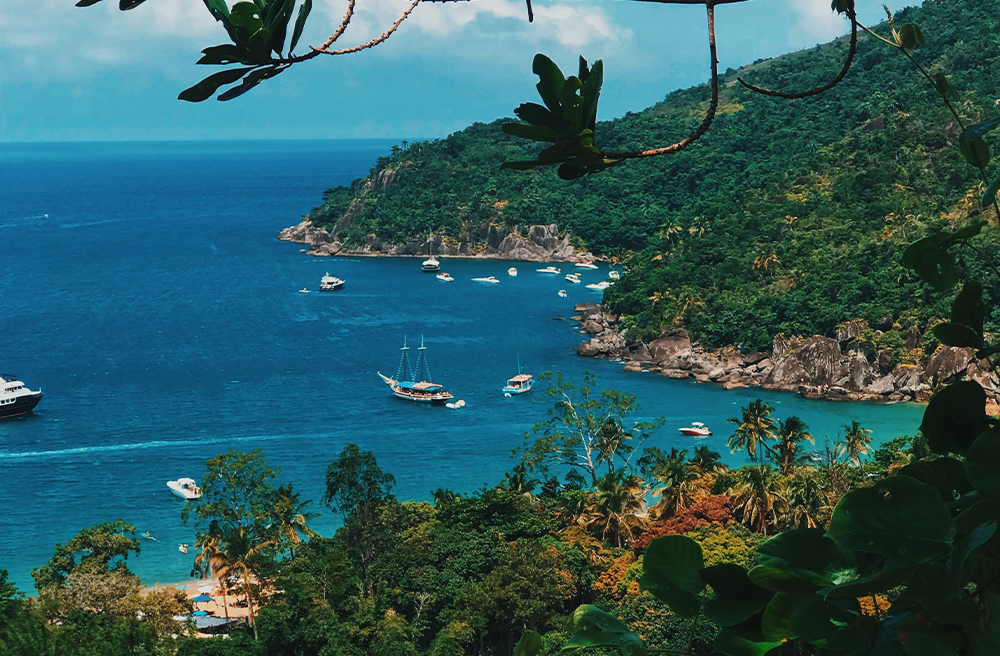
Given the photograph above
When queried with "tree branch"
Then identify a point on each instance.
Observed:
(374, 42)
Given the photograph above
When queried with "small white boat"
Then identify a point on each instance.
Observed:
(430, 265)
(696, 429)
(573, 278)
(550, 269)
(518, 384)
(445, 276)
(185, 488)
(489, 279)
(304, 291)
(600, 286)
(586, 265)
(512, 271)
(614, 275)
(330, 283)
(561, 293)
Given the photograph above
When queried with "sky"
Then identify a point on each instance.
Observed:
(99, 74)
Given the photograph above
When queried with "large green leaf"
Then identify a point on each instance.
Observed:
(591, 618)
(863, 586)
(974, 150)
(968, 307)
(928, 644)
(300, 22)
(978, 130)
(807, 554)
(259, 46)
(900, 518)
(955, 417)
(982, 462)
(957, 334)
(736, 598)
(530, 644)
(246, 15)
(670, 569)
(729, 643)
(535, 114)
(250, 81)
(984, 633)
(777, 621)
(533, 132)
(628, 644)
(946, 475)
(990, 195)
(944, 87)
(550, 82)
(204, 89)
(937, 268)
(916, 251)
(835, 625)
(226, 53)
(591, 94)
(910, 36)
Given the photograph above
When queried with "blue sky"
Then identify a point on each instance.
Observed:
(98, 74)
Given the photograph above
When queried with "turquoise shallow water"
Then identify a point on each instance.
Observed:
(161, 319)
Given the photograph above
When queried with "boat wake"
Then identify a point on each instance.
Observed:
(155, 444)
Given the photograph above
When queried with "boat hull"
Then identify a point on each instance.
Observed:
(178, 491)
(694, 432)
(22, 405)
(516, 390)
(433, 398)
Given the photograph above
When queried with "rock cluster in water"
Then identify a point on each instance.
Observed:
(538, 243)
(817, 367)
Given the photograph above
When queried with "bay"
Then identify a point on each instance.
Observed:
(142, 288)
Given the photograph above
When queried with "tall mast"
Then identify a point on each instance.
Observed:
(422, 366)
(404, 369)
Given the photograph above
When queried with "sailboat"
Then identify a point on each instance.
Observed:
(416, 385)
(431, 264)
(518, 384)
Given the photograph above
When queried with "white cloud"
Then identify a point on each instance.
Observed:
(817, 20)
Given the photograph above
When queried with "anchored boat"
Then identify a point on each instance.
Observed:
(15, 398)
(696, 429)
(416, 385)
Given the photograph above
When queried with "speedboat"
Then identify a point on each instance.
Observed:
(600, 286)
(512, 271)
(518, 384)
(586, 265)
(304, 291)
(696, 429)
(445, 276)
(614, 275)
(573, 278)
(185, 488)
(330, 283)
(561, 293)
(550, 269)
(15, 398)
(489, 279)
(430, 265)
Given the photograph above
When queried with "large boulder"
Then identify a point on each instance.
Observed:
(783, 345)
(946, 363)
(884, 385)
(912, 338)
(669, 347)
(638, 351)
(851, 329)
(859, 372)
(907, 378)
(816, 362)
(787, 374)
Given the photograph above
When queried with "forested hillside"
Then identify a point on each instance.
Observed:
(789, 216)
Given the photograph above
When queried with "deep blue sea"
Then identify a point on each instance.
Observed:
(142, 288)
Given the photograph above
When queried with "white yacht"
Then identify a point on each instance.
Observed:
(573, 278)
(489, 279)
(614, 275)
(445, 276)
(15, 398)
(550, 269)
(304, 290)
(330, 283)
(561, 293)
(586, 265)
(185, 488)
(512, 271)
(600, 286)
(430, 265)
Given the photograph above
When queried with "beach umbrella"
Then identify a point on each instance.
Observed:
(182, 587)
(198, 613)
(206, 589)
(202, 597)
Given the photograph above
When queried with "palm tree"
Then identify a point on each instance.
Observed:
(759, 501)
(680, 484)
(705, 461)
(291, 516)
(212, 561)
(243, 553)
(620, 506)
(753, 430)
(519, 481)
(805, 496)
(857, 442)
(573, 507)
(790, 432)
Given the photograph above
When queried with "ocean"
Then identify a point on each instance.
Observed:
(143, 290)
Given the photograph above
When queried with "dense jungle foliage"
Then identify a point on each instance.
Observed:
(788, 216)
(463, 574)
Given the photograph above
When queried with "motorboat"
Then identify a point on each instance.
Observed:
(696, 429)
(614, 275)
(512, 271)
(586, 265)
(15, 398)
(422, 390)
(185, 488)
(330, 283)
(600, 286)
(573, 278)
(550, 269)
(304, 290)
(561, 293)
(445, 276)
(430, 265)
(518, 384)
(489, 279)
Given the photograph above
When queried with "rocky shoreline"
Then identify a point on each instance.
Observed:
(817, 367)
(539, 243)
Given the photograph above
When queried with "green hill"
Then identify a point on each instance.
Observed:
(789, 216)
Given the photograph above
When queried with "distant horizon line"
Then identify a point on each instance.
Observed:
(126, 141)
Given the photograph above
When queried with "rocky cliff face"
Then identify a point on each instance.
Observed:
(817, 367)
(542, 243)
